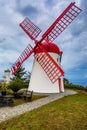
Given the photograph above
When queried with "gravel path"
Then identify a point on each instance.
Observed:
(10, 112)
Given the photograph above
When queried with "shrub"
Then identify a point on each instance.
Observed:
(4, 86)
(16, 85)
(74, 86)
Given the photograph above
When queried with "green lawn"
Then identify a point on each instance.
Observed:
(68, 113)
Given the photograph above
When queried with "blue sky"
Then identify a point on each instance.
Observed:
(73, 41)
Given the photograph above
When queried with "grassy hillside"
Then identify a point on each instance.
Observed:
(68, 113)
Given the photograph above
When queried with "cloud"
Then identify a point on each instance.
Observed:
(43, 12)
(27, 10)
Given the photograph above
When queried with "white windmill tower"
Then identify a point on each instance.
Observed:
(39, 81)
(47, 73)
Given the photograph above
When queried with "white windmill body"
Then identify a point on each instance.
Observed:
(39, 81)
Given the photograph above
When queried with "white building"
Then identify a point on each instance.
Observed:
(39, 81)
(7, 76)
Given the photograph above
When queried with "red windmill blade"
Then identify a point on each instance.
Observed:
(30, 28)
(62, 22)
(25, 54)
(52, 69)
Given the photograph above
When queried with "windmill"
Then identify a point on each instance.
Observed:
(47, 74)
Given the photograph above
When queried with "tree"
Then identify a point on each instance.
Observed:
(20, 74)
(18, 80)
(27, 78)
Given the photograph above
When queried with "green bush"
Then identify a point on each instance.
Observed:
(4, 86)
(74, 86)
(16, 85)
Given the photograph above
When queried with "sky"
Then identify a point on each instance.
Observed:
(73, 41)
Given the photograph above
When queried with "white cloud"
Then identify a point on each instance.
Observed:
(13, 40)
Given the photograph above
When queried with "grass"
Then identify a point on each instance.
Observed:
(68, 113)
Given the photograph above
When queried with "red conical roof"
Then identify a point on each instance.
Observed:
(49, 47)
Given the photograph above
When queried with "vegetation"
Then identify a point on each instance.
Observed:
(68, 113)
(20, 74)
(23, 75)
(4, 86)
(16, 85)
(74, 86)
(19, 81)
(27, 78)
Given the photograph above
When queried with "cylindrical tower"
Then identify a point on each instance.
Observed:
(39, 81)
